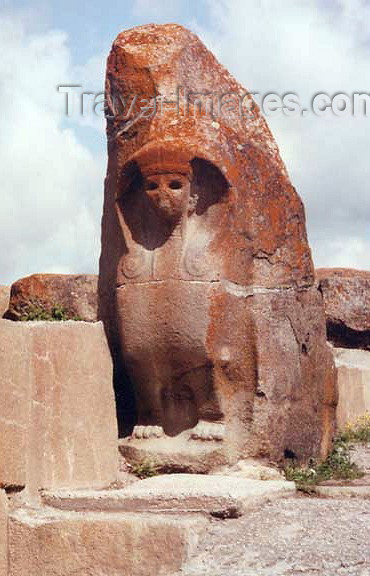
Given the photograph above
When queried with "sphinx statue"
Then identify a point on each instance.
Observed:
(206, 284)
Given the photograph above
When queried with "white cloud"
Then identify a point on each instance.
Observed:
(53, 168)
(52, 185)
(304, 47)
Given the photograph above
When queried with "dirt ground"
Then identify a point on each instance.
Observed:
(296, 536)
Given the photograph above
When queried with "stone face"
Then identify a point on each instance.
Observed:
(203, 244)
(57, 415)
(3, 534)
(353, 368)
(75, 294)
(52, 543)
(347, 306)
(221, 495)
(4, 299)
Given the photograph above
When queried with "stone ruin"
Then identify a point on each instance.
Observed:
(206, 284)
(213, 333)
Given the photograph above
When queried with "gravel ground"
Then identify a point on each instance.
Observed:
(292, 537)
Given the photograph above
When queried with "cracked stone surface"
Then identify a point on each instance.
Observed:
(308, 536)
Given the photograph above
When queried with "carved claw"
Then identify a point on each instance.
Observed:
(209, 431)
(146, 432)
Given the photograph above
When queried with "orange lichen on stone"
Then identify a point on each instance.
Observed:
(206, 279)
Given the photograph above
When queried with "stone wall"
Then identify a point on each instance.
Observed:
(353, 368)
(57, 415)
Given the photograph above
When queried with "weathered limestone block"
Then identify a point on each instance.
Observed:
(53, 543)
(15, 393)
(4, 299)
(222, 495)
(57, 415)
(73, 422)
(3, 534)
(347, 306)
(204, 251)
(74, 294)
(353, 368)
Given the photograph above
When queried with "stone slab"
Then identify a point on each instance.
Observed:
(46, 542)
(73, 426)
(57, 413)
(344, 491)
(15, 394)
(174, 455)
(353, 376)
(222, 496)
(3, 534)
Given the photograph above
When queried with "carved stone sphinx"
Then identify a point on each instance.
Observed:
(170, 212)
(206, 280)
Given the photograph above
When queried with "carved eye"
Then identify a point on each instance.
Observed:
(175, 184)
(151, 185)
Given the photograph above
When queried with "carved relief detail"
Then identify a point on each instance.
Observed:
(135, 264)
(197, 262)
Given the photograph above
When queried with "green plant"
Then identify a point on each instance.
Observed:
(144, 469)
(38, 312)
(337, 466)
(357, 431)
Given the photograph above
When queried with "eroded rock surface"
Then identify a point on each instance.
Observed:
(347, 306)
(74, 295)
(206, 281)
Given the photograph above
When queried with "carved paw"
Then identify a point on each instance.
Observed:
(145, 432)
(208, 431)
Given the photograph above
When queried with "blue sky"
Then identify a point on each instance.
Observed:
(53, 166)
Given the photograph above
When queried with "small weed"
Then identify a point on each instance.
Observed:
(144, 469)
(337, 466)
(357, 431)
(38, 312)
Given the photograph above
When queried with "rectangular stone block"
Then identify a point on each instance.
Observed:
(53, 543)
(57, 415)
(73, 421)
(15, 391)
(221, 495)
(353, 368)
(3, 534)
